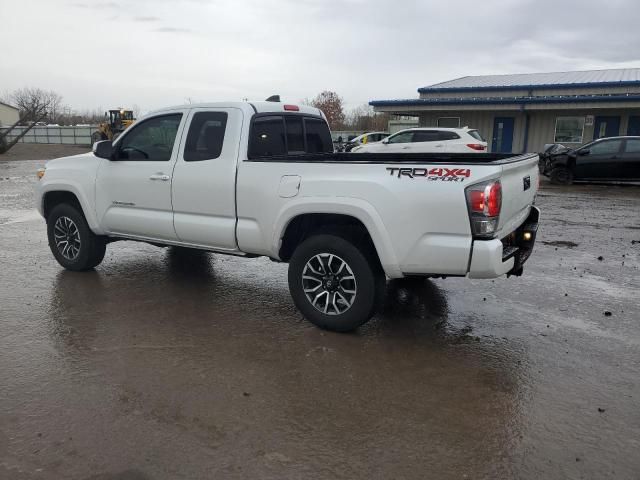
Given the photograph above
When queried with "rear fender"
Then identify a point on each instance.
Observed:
(357, 208)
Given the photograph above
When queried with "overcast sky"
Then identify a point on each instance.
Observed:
(153, 53)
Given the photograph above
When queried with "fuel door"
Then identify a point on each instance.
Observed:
(289, 186)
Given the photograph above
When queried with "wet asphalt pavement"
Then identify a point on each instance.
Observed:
(160, 365)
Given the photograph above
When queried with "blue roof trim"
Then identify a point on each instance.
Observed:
(503, 101)
(622, 83)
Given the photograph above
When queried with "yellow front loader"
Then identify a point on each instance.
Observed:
(115, 122)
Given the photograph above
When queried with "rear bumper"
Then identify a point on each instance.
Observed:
(493, 258)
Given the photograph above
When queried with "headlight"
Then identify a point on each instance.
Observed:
(40, 172)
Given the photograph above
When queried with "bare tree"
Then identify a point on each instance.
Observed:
(332, 106)
(364, 118)
(34, 105)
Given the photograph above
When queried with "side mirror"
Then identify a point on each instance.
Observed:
(585, 151)
(103, 149)
(385, 141)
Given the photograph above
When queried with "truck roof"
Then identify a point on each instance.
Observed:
(250, 107)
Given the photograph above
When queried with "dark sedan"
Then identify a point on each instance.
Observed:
(614, 159)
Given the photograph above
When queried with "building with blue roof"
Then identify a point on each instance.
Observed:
(523, 112)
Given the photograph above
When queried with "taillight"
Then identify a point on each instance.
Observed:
(484, 201)
(292, 108)
(494, 203)
(476, 146)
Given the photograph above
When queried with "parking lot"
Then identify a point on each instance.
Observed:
(162, 365)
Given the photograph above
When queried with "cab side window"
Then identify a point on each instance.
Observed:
(151, 140)
(206, 136)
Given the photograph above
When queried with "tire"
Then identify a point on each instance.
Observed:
(71, 241)
(561, 176)
(360, 274)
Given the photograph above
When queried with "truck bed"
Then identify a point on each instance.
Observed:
(402, 158)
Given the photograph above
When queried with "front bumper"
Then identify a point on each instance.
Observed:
(493, 258)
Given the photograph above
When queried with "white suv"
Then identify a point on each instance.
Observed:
(429, 140)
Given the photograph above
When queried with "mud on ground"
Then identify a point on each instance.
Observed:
(41, 151)
(159, 365)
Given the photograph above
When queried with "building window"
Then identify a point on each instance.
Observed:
(449, 122)
(569, 130)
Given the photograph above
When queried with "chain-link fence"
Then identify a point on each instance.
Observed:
(55, 135)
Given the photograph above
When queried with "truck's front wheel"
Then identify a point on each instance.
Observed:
(335, 284)
(71, 241)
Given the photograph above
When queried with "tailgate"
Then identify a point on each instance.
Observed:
(519, 188)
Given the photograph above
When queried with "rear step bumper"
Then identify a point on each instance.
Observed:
(493, 258)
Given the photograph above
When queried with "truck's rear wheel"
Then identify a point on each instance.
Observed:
(71, 241)
(336, 285)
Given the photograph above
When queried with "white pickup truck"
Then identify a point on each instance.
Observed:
(261, 179)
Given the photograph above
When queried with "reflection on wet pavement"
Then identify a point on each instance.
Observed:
(165, 363)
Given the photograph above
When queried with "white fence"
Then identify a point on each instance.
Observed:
(56, 135)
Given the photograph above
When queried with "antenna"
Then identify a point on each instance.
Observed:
(274, 98)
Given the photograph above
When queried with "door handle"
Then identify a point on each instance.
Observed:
(405, 148)
(160, 176)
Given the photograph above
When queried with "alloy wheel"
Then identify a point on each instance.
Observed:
(329, 284)
(67, 238)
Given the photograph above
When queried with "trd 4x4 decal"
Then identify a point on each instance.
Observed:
(433, 174)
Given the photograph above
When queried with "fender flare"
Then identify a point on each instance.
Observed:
(73, 187)
(353, 207)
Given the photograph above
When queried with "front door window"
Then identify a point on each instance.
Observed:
(151, 140)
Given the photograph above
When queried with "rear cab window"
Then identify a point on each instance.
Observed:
(317, 136)
(288, 134)
(295, 134)
(267, 137)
